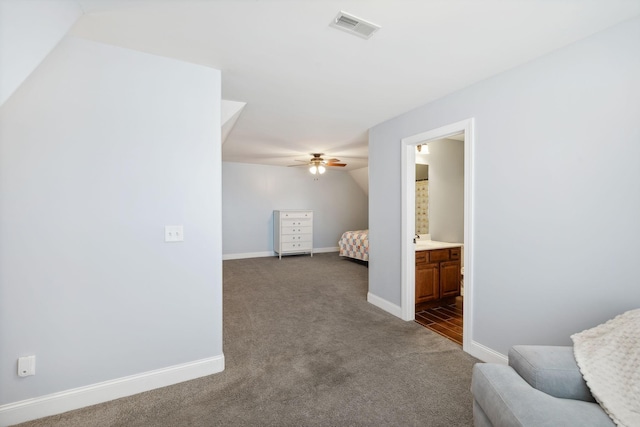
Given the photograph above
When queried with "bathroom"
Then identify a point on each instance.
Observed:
(439, 225)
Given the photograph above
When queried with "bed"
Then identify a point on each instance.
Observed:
(355, 244)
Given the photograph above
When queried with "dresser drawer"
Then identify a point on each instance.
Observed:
(297, 230)
(296, 246)
(305, 222)
(289, 238)
(296, 215)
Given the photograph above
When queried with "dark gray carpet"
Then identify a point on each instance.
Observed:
(304, 348)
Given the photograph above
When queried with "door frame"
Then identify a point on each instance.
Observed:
(408, 158)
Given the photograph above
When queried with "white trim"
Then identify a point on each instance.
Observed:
(249, 255)
(272, 253)
(486, 354)
(323, 250)
(384, 304)
(57, 403)
(408, 178)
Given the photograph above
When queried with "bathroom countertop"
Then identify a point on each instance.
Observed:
(426, 245)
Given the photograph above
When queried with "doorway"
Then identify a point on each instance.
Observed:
(439, 231)
(408, 158)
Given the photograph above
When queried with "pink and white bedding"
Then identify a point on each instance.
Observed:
(355, 244)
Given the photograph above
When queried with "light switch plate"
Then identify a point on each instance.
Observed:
(26, 366)
(173, 233)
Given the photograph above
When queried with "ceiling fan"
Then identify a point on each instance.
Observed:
(319, 165)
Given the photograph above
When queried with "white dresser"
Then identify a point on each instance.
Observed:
(292, 232)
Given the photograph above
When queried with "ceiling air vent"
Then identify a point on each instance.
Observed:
(354, 25)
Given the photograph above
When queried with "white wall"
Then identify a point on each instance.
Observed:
(252, 192)
(556, 230)
(100, 148)
(29, 30)
(446, 190)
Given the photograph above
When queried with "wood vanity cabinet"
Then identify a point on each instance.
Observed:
(437, 277)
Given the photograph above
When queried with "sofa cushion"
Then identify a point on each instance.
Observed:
(551, 369)
(480, 419)
(507, 400)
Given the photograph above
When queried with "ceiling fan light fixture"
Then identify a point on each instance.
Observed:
(318, 166)
(317, 169)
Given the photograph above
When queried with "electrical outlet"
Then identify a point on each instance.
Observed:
(26, 366)
(173, 233)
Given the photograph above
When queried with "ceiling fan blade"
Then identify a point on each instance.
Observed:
(336, 164)
(332, 160)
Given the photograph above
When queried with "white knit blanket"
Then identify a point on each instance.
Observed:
(609, 359)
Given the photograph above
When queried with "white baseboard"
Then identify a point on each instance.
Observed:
(272, 253)
(248, 255)
(57, 403)
(485, 353)
(324, 250)
(384, 304)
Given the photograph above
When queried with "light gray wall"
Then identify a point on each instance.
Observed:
(250, 194)
(556, 173)
(446, 190)
(100, 148)
(361, 176)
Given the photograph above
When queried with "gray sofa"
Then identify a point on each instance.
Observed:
(542, 387)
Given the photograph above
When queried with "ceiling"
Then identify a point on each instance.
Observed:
(309, 87)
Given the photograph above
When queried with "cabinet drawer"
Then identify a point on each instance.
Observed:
(296, 222)
(296, 246)
(421, 257)
(296, 230)
(436, 255)
(288, 238)
(290, 215)
(455, 253)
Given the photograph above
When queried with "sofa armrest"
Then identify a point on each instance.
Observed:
(551, 369)
(508, 400)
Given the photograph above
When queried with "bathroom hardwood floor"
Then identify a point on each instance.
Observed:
(446, 321)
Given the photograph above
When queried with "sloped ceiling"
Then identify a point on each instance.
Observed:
(311, 88)
(29, 30)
